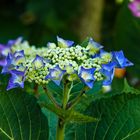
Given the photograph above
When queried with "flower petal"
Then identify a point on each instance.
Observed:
(120, 60)
(64, 43)
(56, 75)
(38, 62)
(108, 71)
(87, 76)
(93, 47)
(16, 80)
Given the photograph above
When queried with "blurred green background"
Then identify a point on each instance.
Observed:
(108, 21)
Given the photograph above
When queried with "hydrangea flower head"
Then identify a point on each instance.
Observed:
(134, 6)
(62, 61)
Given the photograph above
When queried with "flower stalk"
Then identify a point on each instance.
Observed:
(60, 130)
(60, 134)
(51, 98)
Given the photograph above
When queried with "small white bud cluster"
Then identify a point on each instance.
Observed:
(60, 54)
(37, 75)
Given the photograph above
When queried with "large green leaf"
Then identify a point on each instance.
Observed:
(119, 120)
(21, 117)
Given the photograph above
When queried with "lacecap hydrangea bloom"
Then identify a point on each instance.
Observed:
(59, 61)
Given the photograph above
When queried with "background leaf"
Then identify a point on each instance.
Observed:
(21, 117)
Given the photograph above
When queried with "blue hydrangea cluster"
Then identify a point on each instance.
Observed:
(57, 61)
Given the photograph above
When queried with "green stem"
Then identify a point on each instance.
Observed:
(61, 123)
(76, 100)
(36, 90)
(60, 130)
(66, 94)
(51, 98)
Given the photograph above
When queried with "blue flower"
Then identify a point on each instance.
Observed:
(5, 49)
(120, 60)
(38, 62)
(64, 43)
(108, 71)
(17, 80)
(56, 75)
(14, 61)
(87, 76)
(106, 56)
(93, 47)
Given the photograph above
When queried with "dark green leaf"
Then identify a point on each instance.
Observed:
(77, 117)
(21, 118)
(119, 120)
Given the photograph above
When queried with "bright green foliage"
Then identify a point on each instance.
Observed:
(21, 118)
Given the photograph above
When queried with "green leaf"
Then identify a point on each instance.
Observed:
(68, 115)
(52, 121)
(129, 89)
(119, 120)
(85, 42)
(77, 117)
(21, 117)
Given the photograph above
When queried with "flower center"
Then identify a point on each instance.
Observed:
(86, 76)
(38, 64)
(55, 74)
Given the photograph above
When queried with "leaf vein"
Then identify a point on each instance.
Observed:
(112, 121)
(17, 117)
